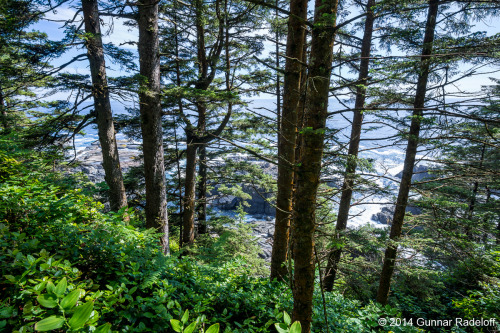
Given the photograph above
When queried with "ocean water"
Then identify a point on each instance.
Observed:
(379, 145)
(385, 152)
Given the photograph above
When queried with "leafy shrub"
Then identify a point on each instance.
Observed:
(64, 263)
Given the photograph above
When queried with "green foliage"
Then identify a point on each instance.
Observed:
(287, 326)
(178, 325)
(66, 264)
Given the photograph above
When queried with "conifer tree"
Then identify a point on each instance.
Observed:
(208, 81)
(411, 151)
(315, 114)
(102, 105)
(349, 175)
(287, 135)
(24, 65)
(151, 120)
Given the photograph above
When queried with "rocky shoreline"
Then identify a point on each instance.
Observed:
(89, 162)
(261, 212)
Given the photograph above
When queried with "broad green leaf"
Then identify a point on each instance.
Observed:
(47, 300)
(10, 278)
(176, 325)
(81, 315)
(40, 286)
(31, 259)
(50, 323)
(28, 307)
(185, 317)
(190, 328)
(6, 312)
(70, 300)
(213, 329)
(296, 328)
(287, 318)
(103, 328)
(61, 287)
(281, 328)
(51, 288)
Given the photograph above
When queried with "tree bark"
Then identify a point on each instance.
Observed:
(198, 138)
(277, 64)
(316, 105)
(349, 175)
(472, 203)
(151, 120)
(498, 233)
(287, 136)
(201, 205)
(3, 112)
(102, 105)
(189, 193)
(202, 190)
(298, 144)
(411, 151)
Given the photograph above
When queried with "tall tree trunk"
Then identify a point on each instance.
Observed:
(189, 193)
(202, 190)
(201, 207)
(277, 65)
(287, 136)
(190, 179)
(181, 111)
(498, 233)
(472, 203)
(298, 143)
(102, 105)
(316, 105)
(151, 120)
(3, 112)
(411, 151)
(200, 136)
(349, 175)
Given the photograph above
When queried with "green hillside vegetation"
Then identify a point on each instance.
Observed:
(61, 253)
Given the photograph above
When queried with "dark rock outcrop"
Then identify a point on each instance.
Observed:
(386, 213)
(420, 172)
(259, 203)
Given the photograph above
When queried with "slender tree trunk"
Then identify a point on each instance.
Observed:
(472, 203)
(151, 120)
(411, 151)
(189, 193)
(316, 105)
(298, 144)
(181, 111)
(201, 207)
(200, 137)
(102, 105)
(357, 121)
(3, 112)
(498, 233)
(287, 136)
(202, 190)
(190, 179)
(277, 65)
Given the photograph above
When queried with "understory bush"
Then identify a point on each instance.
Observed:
(67, 266)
